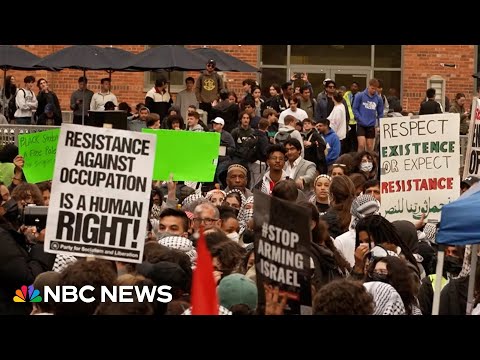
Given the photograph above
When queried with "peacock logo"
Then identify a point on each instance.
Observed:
(21, 294)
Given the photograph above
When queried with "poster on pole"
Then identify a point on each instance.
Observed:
(100, 193)
(282, 248)
(472, 155)
(420, 162)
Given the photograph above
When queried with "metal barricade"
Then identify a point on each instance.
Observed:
(9, 133)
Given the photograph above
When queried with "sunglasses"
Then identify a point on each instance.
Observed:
(210, 65)
(341, 165)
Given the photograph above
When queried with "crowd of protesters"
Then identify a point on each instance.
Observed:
(318, 152)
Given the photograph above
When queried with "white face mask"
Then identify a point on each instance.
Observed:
(366, 166)
(234, 236)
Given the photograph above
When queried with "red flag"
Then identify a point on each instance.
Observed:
(204, 288)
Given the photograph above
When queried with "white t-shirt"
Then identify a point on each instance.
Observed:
(299, 115)
(345, 244)
(338, 121)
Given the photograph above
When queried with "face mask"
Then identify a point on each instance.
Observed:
(366, 166)
(379, 277)
(453, 265)
(234, 236)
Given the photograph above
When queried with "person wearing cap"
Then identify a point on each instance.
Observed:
(101, 98)
(49, 117)
(467, 183)
(208, 86)
(158, 99)
(362, 206)
(237, 289)
(227, 142)
(367, 108)
(325, 102)
(237, 178)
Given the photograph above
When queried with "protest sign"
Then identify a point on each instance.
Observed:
(472, 155)
(38, 150)
(420, 158)
(190, 155)
(282, 247)
(100, 193)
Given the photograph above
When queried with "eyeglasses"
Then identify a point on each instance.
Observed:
(206, 221)
(331, 86)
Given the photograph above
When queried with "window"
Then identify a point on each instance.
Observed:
(177, 78)
(391, 80)
(388, 56)
(270, 76)
(438, 83)
(356, 55)
(274, 55)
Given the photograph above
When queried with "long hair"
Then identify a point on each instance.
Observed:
(380, 231)
(400, 277)
(320, 236)
(10, 89)
(342, 192)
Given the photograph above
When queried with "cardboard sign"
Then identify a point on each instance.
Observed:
(39, 151)
(420, 158)
(190, 155)
(282, 243)
(101, 193)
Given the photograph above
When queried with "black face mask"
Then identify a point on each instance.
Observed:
(453, 265)
(378, 277)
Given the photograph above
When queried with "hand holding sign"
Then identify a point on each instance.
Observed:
(272, 297)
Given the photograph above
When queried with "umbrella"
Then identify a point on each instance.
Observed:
(13, 57)
(459, 226)
(168, 58)
(85, 57)
(122, 57)
(224, 61)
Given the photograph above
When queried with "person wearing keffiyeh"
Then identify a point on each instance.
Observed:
(275, 173)
(387, 300)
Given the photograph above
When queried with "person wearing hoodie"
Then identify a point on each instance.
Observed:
(208, 86)
(332, 140)
(367, 108)
(226, 110)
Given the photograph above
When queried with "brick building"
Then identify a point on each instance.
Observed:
(409, 69)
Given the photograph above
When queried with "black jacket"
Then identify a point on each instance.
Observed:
(228, 112)
(262, 145)
(314, 153)
(453, 298)
(19, 265)
(43, 99)
(430, 107)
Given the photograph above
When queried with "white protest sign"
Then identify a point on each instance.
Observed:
(472, 156)
(420, 161)
(100, 193)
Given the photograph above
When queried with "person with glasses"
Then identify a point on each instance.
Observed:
(395, 271)
(325, 102)
(208, 86)
(338, 169)
(205, 214)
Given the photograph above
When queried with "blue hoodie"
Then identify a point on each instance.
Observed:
(366, 108)
(333, 141)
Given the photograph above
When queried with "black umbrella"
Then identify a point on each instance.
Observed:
(15, 58)
(85, 57)
(224, 61)
(122, 57)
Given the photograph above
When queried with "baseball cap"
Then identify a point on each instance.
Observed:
(327, 82)
(469, 181)
(237, 289)
(218, 120)
(211, 61)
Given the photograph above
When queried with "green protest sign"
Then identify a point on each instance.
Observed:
(189, 155)
(38, 150)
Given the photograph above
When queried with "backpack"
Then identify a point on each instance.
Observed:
(247, 150)
(12, 105)
(283, 136)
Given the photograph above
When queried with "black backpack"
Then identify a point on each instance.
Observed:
(247, 150)
(12, 105)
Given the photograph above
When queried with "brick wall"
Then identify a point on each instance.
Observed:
(420, 62)
(127, 86)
